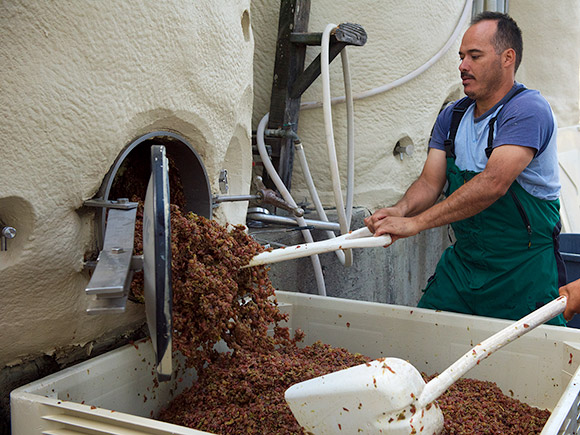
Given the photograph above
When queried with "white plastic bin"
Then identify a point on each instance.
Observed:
(116, 393)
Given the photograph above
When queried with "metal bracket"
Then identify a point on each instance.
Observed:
(113, 271)
(112, 276)
(345, 34)
(121, 203)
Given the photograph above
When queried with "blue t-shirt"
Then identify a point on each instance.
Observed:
(526, 120)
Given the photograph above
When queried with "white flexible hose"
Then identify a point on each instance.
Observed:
(314, 194)
(332, 160)
(380, 89)
(288, 198)
(350, 136)
(570, 128)
(350, 161)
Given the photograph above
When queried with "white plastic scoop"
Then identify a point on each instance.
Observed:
(388, 395)
(361, 238)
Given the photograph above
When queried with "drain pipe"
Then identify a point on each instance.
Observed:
(264, 196)
(288, 198)
(349, 137)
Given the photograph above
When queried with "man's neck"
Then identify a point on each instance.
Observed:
(484, 104)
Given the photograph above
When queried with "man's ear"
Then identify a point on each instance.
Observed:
(509, 57)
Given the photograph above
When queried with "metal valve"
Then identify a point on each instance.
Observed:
(6, 233)
(264, 196)
(400, 150)
(273, 198)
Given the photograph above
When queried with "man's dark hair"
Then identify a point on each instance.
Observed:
(507, 35)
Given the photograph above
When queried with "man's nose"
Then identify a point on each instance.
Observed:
(463, 65)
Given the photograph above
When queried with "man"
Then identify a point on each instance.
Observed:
(496, 150)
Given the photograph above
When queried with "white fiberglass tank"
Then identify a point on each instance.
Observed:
(117, 392)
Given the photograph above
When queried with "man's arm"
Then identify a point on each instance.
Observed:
(503, 167)
(421, 195)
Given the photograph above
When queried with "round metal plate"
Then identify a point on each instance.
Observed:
(157, 261)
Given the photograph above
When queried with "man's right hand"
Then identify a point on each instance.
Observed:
(373, 221)
(421, 195)
(572, 292)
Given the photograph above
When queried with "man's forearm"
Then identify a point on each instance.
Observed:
(419, 197)
(506, 163)
(471, 198)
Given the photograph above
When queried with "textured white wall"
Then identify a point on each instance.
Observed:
(80, 81)
(551, 61)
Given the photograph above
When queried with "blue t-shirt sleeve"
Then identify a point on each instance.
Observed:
(526, 121)
(441, 128)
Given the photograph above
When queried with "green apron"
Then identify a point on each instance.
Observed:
(505, 262)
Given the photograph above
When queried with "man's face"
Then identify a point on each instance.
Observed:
(480, 67)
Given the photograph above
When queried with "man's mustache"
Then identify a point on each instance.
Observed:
(466, 76)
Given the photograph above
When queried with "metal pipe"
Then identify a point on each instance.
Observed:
(228, 198)
(282, 132)
(477, 7)
(283, 220)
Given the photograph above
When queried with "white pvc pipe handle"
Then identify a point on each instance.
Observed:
(361, 238)
(439, 384)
